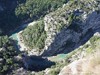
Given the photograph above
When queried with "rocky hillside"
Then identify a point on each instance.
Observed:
(86, 66)
(63, 41)
(76, 21)
(88, 62)
(69, 37)
(81, 61)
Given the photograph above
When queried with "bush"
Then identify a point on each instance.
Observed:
(34, 36)
(36, 8)
(93, 40)
(7, 55)
(3, 40)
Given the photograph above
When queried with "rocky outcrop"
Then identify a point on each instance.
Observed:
(79, 61)
(89, 65)
(67, 29)
(81, 57)
(70, 26)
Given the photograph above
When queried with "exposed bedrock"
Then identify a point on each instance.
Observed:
(70, 37)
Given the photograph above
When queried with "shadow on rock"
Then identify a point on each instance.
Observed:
(36, 63)
(75, 35)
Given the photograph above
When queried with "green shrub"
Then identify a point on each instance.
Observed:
(7, 55)
(54, 71)
(34, 36)
(93, 40)
(3, 40)
(37, 8)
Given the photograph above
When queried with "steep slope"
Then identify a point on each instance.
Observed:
(71, 26)
(83, 59)
(90, 65)
(86, 66)
(66, 28)
(65, 31)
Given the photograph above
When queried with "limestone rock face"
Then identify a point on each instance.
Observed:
(69, 27)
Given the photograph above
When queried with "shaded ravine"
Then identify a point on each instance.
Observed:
(84, 39)
(32, 62)
(65, 49)
(72, 39)
(36, 63)
(15, 36)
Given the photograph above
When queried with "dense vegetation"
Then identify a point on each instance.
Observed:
(16, 12)
(34, 36)
(7, 53)
(35, 8)
(8, 19)
(20, 11)
(3, 40)
(13, 13)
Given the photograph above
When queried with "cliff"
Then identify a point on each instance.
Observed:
(63, 30)
(71, 26)
(90, 64)
(68, 36)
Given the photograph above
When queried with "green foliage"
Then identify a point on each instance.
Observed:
(34, 36)
(94, 40)
(7, 53)
(70, 18)
(60, 25)
(54, 72)
(20, 11)
(3, 40)
(40, 43)
(36, 8)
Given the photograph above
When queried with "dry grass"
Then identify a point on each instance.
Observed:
(92, 66)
